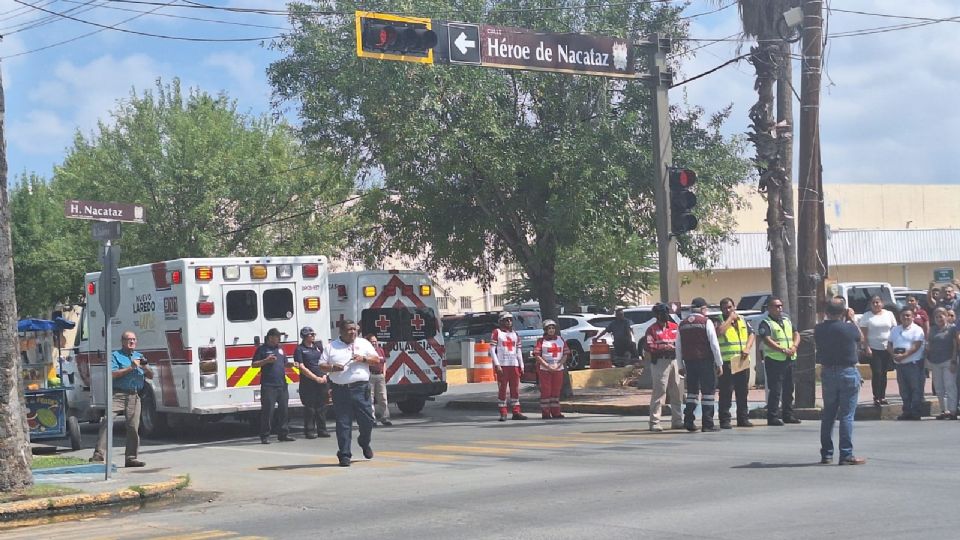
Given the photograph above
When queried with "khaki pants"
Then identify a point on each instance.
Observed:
(129, 405)
(378, 395)
(666, 380)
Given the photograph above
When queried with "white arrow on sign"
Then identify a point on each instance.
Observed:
(463, 43)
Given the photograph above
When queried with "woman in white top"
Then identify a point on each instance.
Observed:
(876, 325)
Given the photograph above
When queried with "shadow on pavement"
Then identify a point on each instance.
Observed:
(760, 465)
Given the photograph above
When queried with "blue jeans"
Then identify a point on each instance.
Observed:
(349, 403)
(841, 388)
(910, 378)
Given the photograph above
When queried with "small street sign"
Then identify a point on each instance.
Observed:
(105, 230)
(943, 275)
(464, 42)
(586, 54)
(104, 211)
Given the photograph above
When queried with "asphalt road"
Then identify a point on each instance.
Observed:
(461, 474)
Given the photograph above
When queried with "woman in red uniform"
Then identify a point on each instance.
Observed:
(551, 354)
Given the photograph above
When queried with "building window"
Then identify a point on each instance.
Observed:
(443, 302)
(498, 300)
(466, 302)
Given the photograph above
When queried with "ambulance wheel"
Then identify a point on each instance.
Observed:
(152, 422)
(411, 405)
(73, 430)
(578, 358)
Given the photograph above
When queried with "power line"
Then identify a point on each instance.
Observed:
(200, 19)
(147, 34)
(891, 16)
(709, 71)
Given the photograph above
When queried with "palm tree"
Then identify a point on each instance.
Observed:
(771, 132)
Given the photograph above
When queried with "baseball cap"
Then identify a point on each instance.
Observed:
(273, 332)
(698, 302)
(306, 331)
(504, 315)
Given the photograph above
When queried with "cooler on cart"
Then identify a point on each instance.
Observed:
(46, 398)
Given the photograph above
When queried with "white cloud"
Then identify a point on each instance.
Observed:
(237, 66)
(41, 132)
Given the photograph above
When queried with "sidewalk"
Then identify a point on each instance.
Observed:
(126, 486)
(629, 401)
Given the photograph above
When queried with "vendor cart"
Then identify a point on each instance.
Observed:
(46, 398)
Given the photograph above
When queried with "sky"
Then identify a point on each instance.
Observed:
(890, 105)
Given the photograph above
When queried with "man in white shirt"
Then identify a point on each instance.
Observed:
(347, 360)
(906, 347)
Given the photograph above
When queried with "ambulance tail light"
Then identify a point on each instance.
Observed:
(369, 291)
(285, 271)
(203, 273)
(176, 277)
(91, 288)
(231, 273)
(205, 308)
(311, 270)
(425, 290)
(208, 367)
(258, 271)
(311, 303)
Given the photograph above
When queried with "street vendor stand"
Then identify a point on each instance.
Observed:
(46, 398)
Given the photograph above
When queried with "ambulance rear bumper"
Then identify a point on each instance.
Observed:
(235, 408)
(400, 392)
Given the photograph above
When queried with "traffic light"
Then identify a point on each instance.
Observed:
(393, 37)
(682, 201)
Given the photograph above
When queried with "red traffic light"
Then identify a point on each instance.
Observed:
(398, 37)
(682, 178)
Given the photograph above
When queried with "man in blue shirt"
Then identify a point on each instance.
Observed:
(129, 370)
(272, 362)
(837, 340)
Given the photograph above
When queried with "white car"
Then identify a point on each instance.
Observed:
(578, 330)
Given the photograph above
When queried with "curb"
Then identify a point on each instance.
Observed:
(865, 411)
(83, 501)
(565, 406)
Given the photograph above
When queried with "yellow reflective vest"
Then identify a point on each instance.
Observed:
(734, 340)
(781, 334)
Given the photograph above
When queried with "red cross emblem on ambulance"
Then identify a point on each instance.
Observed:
(417, 322)
(382, 323)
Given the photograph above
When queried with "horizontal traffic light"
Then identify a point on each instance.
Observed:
(393, 37)
(682, 201)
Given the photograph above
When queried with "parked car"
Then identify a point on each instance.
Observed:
(479, 326)
(578, 330)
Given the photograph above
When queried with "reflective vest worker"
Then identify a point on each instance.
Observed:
(699, 356)
(736, 341)
(779, 346)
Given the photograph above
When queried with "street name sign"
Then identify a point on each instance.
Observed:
(106, 230)
(943, 275)
(104, 211)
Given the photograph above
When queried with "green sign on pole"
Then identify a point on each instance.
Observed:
(943, 275)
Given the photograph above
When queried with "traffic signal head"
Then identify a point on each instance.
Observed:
(392, 37)
(682, 201)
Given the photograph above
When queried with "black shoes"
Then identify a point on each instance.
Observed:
(368, 452)
(96, 459)
(519, 416)
(791, 420)
(713, 429)
(134, 463)
(503, 417)
(285, 438)
(691, 428)
(725, 425)
(344, 462)
(826, 460)
(323, 435)
(774, 422)
(853, 460)
(744, 423)
(309, 436)
(386, 422)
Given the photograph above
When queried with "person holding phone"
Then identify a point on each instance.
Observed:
(906, 348)
(130, 371)
(272, 362)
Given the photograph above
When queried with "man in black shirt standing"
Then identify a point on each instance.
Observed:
(837, 340)
(622, 333)
(313, 384)
(272, 362)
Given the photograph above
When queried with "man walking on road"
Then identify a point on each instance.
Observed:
(660, 348)
(779, 342)
(347, 360)
(736, 341)
(129, 370)
(699, 355)
(837, 340)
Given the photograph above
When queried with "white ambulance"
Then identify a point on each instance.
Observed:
(198, 323)
(399, 307)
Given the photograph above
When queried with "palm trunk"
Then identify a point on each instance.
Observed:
(15, 457)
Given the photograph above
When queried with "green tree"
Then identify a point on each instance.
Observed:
(48, 260)
(480, 166)
(213, 181)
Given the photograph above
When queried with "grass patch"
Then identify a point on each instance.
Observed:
(46, 462)
(39, 491)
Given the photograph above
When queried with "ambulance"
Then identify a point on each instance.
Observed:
(198, 323)
(399, 307)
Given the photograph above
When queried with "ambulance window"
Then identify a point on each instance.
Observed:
(278, 304)
(241, 306)
(399, 324)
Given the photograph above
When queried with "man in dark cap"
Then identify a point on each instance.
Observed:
(313, 384)
(272, 362)
(698, 354)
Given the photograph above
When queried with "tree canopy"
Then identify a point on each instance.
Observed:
(477, 167)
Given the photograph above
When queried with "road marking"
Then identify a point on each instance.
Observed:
(526, 444)
(462, 449)
(199, 535)
(577, 439)
(418, 456)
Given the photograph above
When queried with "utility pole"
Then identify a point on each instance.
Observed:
(812, 269)
(811, 272)
(661, 79)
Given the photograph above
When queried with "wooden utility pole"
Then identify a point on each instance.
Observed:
(811, 272)
(785, 128)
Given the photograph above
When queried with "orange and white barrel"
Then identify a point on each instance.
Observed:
(600, 355)
(482, 370)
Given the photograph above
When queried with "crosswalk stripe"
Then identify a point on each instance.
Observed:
(463, 449)
(199, 535)
(526, 444)
(418, 456)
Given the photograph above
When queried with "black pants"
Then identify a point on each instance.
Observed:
(880, 362)
(622, 347)
(314, 398)
(779, 378)
(701, 379)
(271, 395)
(731, 383)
